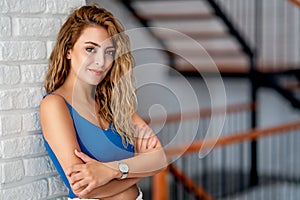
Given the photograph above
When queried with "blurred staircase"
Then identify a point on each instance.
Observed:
(225, 48)
(198, 21)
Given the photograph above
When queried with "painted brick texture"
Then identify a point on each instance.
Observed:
(28, 30)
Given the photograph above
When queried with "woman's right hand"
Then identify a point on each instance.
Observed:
(84, 178)
(146, 140)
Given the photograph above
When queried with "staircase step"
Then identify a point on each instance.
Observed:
(220, 53)
(172, 7)
(206, 65)
(217, 46)
(206, 60)
(200, 26)
(276, 67)
(222, 69)
(233, 67)
(203, 34)
(292, 85)
(175, 16)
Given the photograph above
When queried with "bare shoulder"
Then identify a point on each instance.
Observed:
(55, 117)
(54, 105)
(52, 101)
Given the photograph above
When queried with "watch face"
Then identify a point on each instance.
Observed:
(123, 167)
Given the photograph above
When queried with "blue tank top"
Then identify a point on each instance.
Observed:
(102, 145)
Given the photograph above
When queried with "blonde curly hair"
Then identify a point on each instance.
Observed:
(115, 94)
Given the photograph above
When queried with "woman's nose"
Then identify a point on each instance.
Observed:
(99, 59)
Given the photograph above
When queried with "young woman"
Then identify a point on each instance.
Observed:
(99, 145)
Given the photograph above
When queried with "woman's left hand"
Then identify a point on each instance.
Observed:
(83, 178)
(146, 140)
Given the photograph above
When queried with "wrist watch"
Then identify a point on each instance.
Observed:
(123, 167)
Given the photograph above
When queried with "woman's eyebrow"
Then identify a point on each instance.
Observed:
(98, 45)
(93, 43)
(110, 47)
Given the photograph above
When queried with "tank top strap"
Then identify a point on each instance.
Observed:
(52, 93)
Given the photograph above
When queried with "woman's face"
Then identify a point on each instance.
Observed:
(92, 55)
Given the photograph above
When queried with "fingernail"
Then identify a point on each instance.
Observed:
(153, 143)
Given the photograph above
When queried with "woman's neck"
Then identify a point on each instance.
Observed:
(79, 91)
(81, 96)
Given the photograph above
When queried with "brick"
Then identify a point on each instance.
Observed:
(61, 198)
(38, 166)
(50, 46)
(20, 98)
(10, 124)
(31, 122)
(22, 146)
(21, 6)
(1, 151)
(10, 75)
(1, 175)
(5, 100)
(11, 171)
(1, 129)
(56, 186)
(3, 6)
(22, 50)
(40, 27)
(26, 97)
(62, 7)
(33, 191)
(34, 73)
(5, 26)
(33, 96)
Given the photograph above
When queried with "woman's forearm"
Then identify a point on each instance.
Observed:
(112, 188)
(144, 164)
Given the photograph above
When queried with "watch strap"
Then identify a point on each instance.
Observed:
(122, 170)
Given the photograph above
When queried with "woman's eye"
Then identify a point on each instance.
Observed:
(90, 49)
(111, 53)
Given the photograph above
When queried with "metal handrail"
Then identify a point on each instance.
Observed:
(230, 139)
(160, 188)
(295, 2)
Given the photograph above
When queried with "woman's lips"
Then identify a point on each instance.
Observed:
(96, 72)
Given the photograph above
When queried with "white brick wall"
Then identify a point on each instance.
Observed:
(27, 33)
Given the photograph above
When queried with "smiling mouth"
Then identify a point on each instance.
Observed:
(96, 72)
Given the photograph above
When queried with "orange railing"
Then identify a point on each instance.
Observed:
(160, 181)
(231, 139)
(189, 184)
(161, 189)
(295, 2)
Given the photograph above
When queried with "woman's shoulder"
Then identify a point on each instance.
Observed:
(54, 113)
(52, 98)
(53, 101)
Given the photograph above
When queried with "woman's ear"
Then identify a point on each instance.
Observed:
(69, 54)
